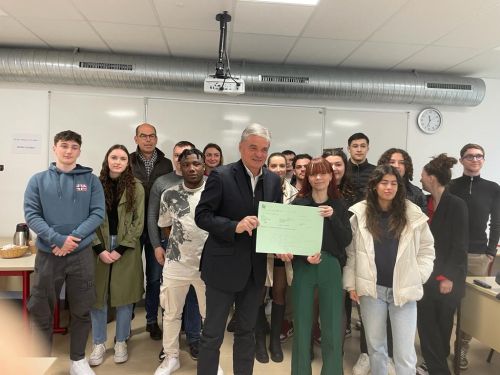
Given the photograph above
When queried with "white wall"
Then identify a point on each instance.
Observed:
(25, 109)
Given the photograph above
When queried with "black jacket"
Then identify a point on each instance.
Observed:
(337, 232)
(360, 174)
(415, 195)
(162, 166)
(483, 201)
(228, 258)
(449, 226)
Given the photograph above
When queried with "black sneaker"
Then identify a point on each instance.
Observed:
(161, 356)
(422, 369)
(194, 350)
(154, 331)
(464, 363)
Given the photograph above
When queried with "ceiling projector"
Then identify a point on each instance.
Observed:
(226, 86)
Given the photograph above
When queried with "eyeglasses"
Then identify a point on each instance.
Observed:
(477, 157)
(147, 136)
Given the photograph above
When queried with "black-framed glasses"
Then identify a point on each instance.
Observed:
(471, 157)
(147, 136)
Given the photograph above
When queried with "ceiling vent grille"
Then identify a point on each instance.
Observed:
(284, 79)
(105, 66)
(448, 86)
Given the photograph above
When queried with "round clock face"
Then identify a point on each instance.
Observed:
(429, 120)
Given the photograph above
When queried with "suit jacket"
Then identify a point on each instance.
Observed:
(450, 228)
(228, 258)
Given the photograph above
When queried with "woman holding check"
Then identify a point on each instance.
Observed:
(321, 270)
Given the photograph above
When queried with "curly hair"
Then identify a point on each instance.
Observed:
(319, 165)
(345, 186)
(385, 158)
(126, 182)
(440, 166)
(397, 219)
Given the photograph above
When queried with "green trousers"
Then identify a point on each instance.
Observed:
(327, 277)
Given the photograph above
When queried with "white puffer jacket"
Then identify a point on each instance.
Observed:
(414, 261)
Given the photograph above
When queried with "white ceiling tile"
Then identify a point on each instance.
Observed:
(193, 43)
(132, 38)
(192, 14)
(380, 55)
(13, 34)
(424, 21)
(49, 9)
(329, 52)
(136, 12)
(482, 31)
(260, 48)
(486, 65)
(350, 19)
(76, 33)
(268, 18)
(434, 58)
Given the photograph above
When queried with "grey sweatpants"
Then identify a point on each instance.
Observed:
(51, 271)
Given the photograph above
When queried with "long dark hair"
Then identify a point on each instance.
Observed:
(345, 186)
(440, 166)
(126, 182)
(385, 158)
(397, 218)
(319, 165)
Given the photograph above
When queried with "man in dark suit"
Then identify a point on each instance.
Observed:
(233, 272)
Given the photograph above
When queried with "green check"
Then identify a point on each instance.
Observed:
(286, 228)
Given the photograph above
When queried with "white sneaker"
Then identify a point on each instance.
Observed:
(121, 354)
(168, 366)
(362, 366)
(80, 367)
(391, 369)
(219, 371)
(97, 355)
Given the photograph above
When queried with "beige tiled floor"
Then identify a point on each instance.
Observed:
(143, 356)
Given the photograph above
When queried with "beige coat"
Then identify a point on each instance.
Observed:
(414, 261)
(289, 193)
(126, 281)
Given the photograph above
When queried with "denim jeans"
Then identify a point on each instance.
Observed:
(99, 322)
(192, 317)
(404, 323)
(153, 281)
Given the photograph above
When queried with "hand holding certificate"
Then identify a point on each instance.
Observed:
(290, 229)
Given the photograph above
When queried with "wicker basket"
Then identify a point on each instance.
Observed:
(13, 252)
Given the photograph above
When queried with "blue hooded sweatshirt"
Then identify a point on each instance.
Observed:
(58, 204)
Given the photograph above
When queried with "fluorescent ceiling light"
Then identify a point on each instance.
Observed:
(310, 3)
(119, 113)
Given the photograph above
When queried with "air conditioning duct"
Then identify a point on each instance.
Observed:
(271, 80)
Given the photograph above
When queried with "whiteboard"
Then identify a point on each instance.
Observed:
(384, 129)
(104, 120)
(297, 128)
(24, 115)
(101, 120)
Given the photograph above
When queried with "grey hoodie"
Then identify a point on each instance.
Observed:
(58, 204)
